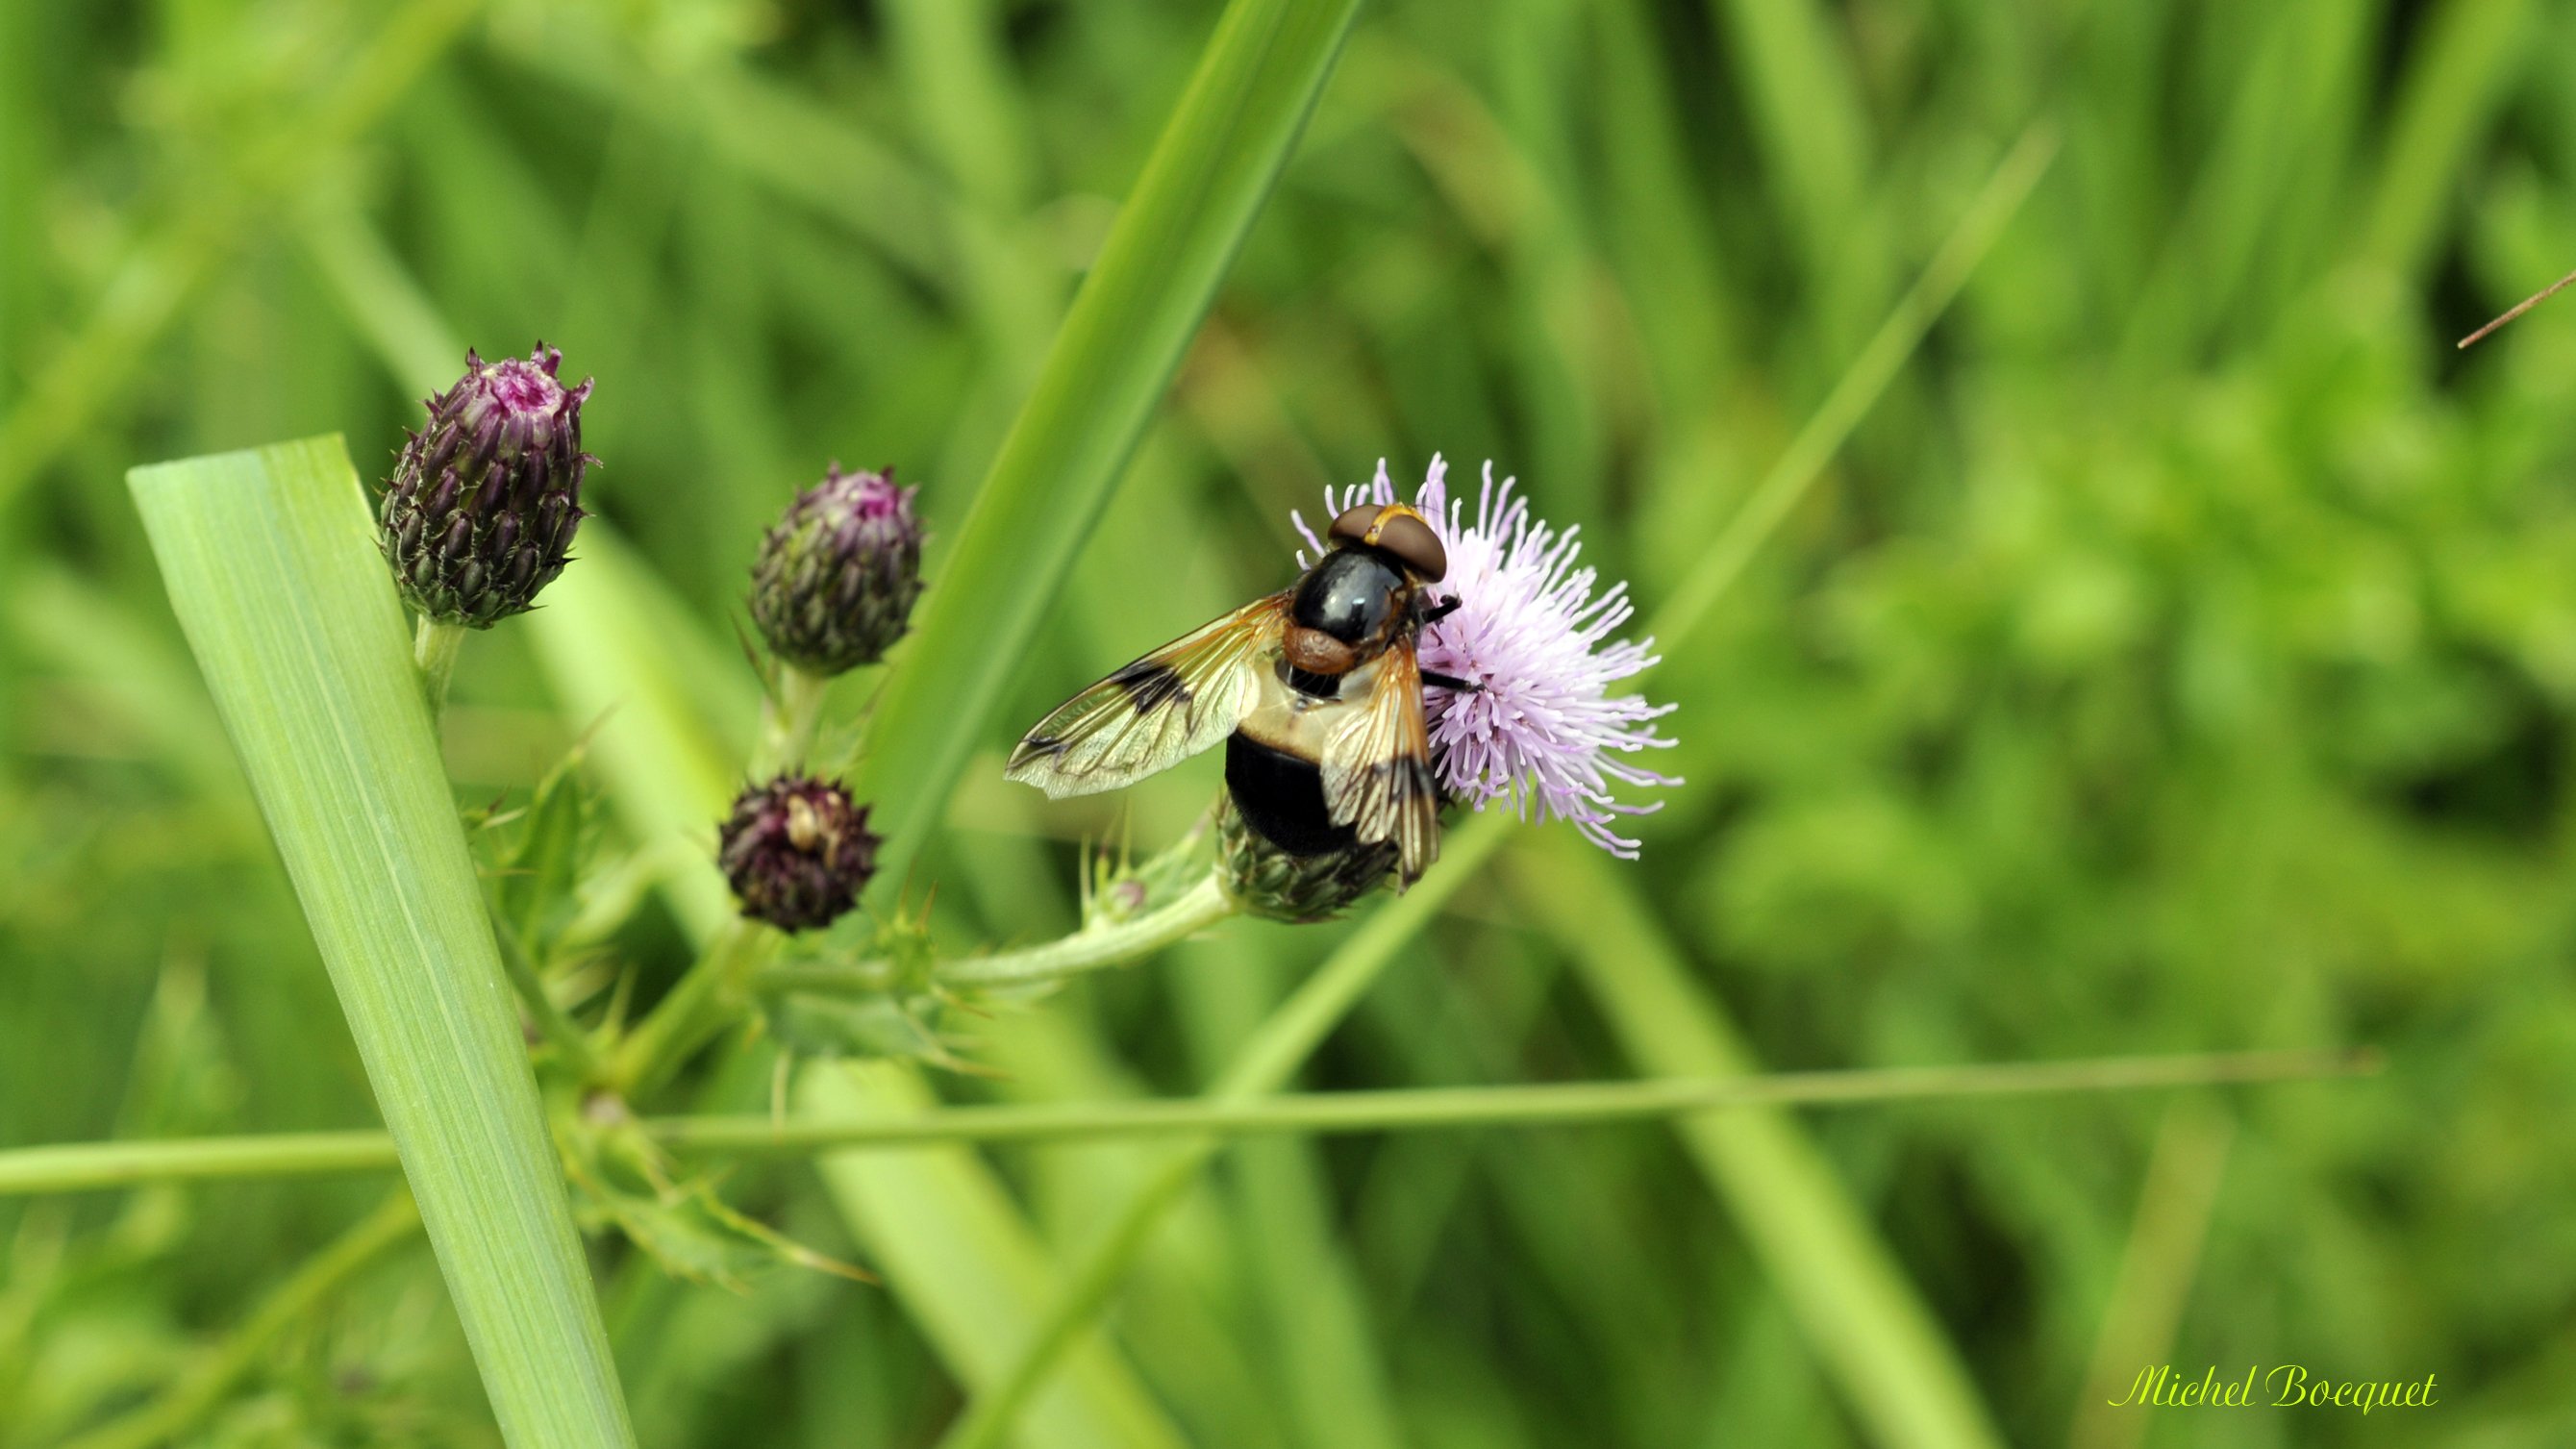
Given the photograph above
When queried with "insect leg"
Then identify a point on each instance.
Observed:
(1451, 681)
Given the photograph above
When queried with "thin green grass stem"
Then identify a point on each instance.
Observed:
(1860, 386)
(101, 1166)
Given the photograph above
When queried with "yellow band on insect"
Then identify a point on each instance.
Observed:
(1384, 516)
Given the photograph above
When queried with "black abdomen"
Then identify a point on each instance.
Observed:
(1282, 798)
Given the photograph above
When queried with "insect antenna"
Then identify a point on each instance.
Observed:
(2518, 308)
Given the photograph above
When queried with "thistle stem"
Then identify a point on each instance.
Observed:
(789, 721)
(434, 647)
(204, 1388)
(1202, 906)
(712, 993)
(1092, 949)
(91, 1166)
(861, 978)
(718, 987)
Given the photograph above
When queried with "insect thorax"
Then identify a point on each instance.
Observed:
(1353, 595)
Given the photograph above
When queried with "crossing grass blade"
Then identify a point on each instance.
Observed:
(1843, 1285)
(273, 572)
(958, 1251)
(1180, 228)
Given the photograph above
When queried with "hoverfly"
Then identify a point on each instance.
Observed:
(1316, 691)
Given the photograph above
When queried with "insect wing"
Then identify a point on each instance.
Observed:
(1377, 766)
(1156, 712)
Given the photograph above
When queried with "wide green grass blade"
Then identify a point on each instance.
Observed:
(1157, 273)
(1851, 1298)
(292, 616)
(957, 1250)
(2452, 89)
(1807, 114)
(1315, 1318)
(667, 712)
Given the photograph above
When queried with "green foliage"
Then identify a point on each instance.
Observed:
(2178, 651)
(538, 856)
(622, 1179)
(863, 994)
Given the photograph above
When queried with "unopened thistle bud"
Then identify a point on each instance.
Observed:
(481, 509)
(1269, 882)
(837, 576)
(797, 852)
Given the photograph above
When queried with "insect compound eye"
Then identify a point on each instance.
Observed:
(1352, 525)
(1410, 539)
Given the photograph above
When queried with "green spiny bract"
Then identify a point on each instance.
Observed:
(837, 576)
(1269, 882)
(797, 852)
(481, 509)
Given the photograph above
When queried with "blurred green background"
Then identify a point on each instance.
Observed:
(2181, 655)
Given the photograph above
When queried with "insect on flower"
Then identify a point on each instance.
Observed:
(1541, 732)
(1316, 691)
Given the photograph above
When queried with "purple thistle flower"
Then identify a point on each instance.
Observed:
(797, 851)
(837, 577)
(481, 510)
(1544, 732)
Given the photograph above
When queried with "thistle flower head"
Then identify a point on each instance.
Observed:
(480, 512)
(797, 851)
(1542, 732)
(837, 576)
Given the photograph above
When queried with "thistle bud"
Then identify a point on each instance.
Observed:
(1269, 882)
(481, 510)
(838, 574)
(797, 852)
